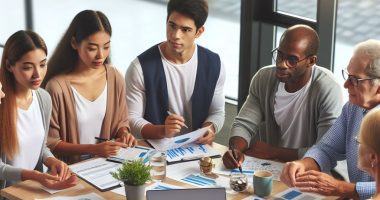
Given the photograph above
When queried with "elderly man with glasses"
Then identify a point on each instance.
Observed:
(339, 143)
(290, 104)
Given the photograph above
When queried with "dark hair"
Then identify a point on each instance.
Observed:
(195, 9)
(84, 24)
(15, 48)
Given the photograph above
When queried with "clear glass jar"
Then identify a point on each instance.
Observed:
(238, 182)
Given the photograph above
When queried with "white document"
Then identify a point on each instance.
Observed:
(188, 172)
(130, 154)
(53, 191)
(190, 152)
(97, 172)
(295, 194)
(252, 164)
(89, 196)
(162, 186)
(178, 141)
(154, 186)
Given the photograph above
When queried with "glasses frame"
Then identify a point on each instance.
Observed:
(357, 140)
(276, 52)
(354, 80)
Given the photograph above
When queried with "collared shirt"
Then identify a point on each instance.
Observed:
(339, 144)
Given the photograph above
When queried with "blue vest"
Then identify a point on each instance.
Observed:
(156, 91)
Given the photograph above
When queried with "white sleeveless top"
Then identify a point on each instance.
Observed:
(90, 115)
(30, 132)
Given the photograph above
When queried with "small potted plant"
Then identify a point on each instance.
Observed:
(134, 174)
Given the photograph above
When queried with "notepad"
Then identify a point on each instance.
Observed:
(130, 154)
(97, 172)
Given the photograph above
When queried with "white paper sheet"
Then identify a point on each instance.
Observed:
(178, 141)
(154, 186)
(190, 152)
(52, 191)
(295, 194)
(130, 154)
(97, 172)
(252, 164)
(89, 196)
(188, 172)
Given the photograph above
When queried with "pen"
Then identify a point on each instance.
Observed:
(101, 139)
(170, 113)
(234, 156)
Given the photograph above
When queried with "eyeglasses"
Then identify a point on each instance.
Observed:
(353, 80)
(290, 60)
(357, 140)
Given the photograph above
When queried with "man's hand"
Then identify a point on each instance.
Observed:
(208, 137)
(229, 161)
(261, 150)
(290, 172)
(173, 125)
(319, 182)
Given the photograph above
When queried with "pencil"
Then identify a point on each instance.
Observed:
(235, 157)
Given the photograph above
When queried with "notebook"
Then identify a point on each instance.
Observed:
(187, 194)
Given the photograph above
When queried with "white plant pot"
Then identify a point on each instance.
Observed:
(135, 192)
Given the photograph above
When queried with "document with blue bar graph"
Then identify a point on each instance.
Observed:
(130, 154)
(190, 152)
(178, 141)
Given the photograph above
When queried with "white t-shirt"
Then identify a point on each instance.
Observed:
(290, 114)
(90, 115)
(30, 132)
(180, 80)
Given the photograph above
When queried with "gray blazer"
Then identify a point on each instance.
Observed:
(8, 172)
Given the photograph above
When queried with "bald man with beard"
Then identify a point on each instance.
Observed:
(290, 105)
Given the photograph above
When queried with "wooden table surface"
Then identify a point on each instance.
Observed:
(31, 189)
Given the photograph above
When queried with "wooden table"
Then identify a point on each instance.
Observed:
(31, 189)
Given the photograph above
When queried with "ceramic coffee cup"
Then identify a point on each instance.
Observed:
(262, 183)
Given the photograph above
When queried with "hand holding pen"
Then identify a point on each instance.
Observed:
(107, 147)
(233, 159)
(173, 124)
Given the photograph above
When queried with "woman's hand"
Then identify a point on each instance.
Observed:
(108, 148)
(48, 180)
(58, 167)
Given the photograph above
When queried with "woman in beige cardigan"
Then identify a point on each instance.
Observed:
(88, 94)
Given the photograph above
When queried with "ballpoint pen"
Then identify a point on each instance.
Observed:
(235, 158)
(170, 113)
(101, 139)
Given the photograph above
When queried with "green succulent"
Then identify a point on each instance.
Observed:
(133, 173)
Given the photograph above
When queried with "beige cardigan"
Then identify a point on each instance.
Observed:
(63, 123)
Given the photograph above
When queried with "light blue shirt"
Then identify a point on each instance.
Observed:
(339, 144)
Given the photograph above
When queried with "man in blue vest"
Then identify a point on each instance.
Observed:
(177, 86)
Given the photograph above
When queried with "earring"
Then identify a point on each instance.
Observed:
(372, 165)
